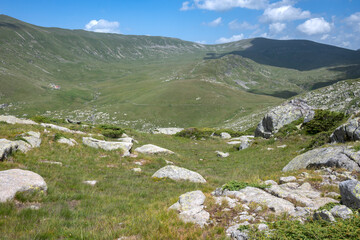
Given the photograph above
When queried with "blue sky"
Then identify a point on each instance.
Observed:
(335, 22)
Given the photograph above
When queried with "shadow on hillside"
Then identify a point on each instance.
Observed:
(301, 55)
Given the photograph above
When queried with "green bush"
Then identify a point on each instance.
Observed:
(323, 121)
(57, 136)
(236, 186)
(328, 206)
(318, 140)
(112, 133)
(109, 127)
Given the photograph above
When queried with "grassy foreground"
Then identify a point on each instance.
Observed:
(125, 203)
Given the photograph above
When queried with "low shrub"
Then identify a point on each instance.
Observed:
(323, 121)
(318, 140)
(111, 131)
(236, 186)
(57, 136)
(44, 119)
(196, 133)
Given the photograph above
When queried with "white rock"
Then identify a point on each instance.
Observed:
(152, 149)
(108, 146)
(222, 154)
(90, 182)
(17, 180)
(63, 129)
(68, 141)
(138, 170)
(287, 179)
(225, 135)
(178, 173)
(167, 131)
(15, 120)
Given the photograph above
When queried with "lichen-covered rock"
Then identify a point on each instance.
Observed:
(324, 215)
(108, 146)
(339, 156)
(350, 193)
(282, 115)
(350, 131)
(17, 180)
(341, 211)
(152, 149)
(32, 140)
(178, 173)
(191, 208)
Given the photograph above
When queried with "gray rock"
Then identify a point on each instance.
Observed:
(152, 149)
(191, 208)
(230, 201)
(6, 148)
(270, 182)
(167, 131)
(31, 140)
(350, 131)
(280, 116)
(15, 120)
(324, 215)
(222, 154)
(69, 141)
(137, 170)
(63, 129)
(338, 156)
(350, 193)
(178, 173)
(263, 227)
(287, 179)
(17, 180)
(72, 121)
(225, 135)
(341, 211)
(90, 182)
(239, 235)
(108, 146)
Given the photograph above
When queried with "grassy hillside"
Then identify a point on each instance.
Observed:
(143, 81)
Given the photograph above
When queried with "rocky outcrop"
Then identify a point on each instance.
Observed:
(152, 149)
(350, 131)
(69, 141)
(108, 146)
(28, 141)
(15, 120)
(341, 211)
(350, 193)
(282, 115)
(167, 131)
(6, 148)
(63, 129)
(179, 173)
(324, 215)
(340, 157)
(17, 180)
(191, 208)
(243, 141)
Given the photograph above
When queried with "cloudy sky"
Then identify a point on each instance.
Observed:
(335, 22)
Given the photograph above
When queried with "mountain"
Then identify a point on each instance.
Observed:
(145, 81)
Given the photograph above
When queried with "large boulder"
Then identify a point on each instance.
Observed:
(6, 148)
(350, 193)
(338, 156)
(191, 208)
(152, 149)
(28, 141)
(15, 120)
(69, 141)
(178, 173)
(350, 131)
(17, 180)
(282, 115)
(167, 131)
(108, 146)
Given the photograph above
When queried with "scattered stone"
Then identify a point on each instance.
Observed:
(191, 208)
(69, 141)
(332, 195)
(270, 149)
(178, 173)
(230, 201)
(51, 162)
(222, 154)
(282, 115)
(225, 135)
(6, 148)
(169, 162)
(15, 120)
(108, 146)
(152, 149)
(167, 131)
(133, 155)
(140, 162)
(248, 218)
(263, 227)
(270, 182)
(17, 180)
(324, 215)
(350, 131)
(72, 121)
(337, 156)
(350, 193)
(287, 179)
(90, 182)
(63, 129)
(137, 170)
(341, 211)
(282, 146)
(239, 235)
(234, 142)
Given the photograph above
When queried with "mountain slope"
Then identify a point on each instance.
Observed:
(144, 81)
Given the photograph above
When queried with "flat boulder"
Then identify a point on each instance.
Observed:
(191, 208)
(282, 115)
(350, 131)
(32, 140)
(338, 156)
(59, 128)
(178, 173)
(107, 145)
(17, 180)
(69, 141)
(167, 131)
(14, 120)
(152, 149)
(350, 193)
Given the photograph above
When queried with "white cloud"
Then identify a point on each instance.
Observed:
(235, 25)
(325, 36)
(221, 5)
(215, 23)
(103, 26)
(354, 21)
(315, 26)
(276, 13)
(277, 27)
(231, 39)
